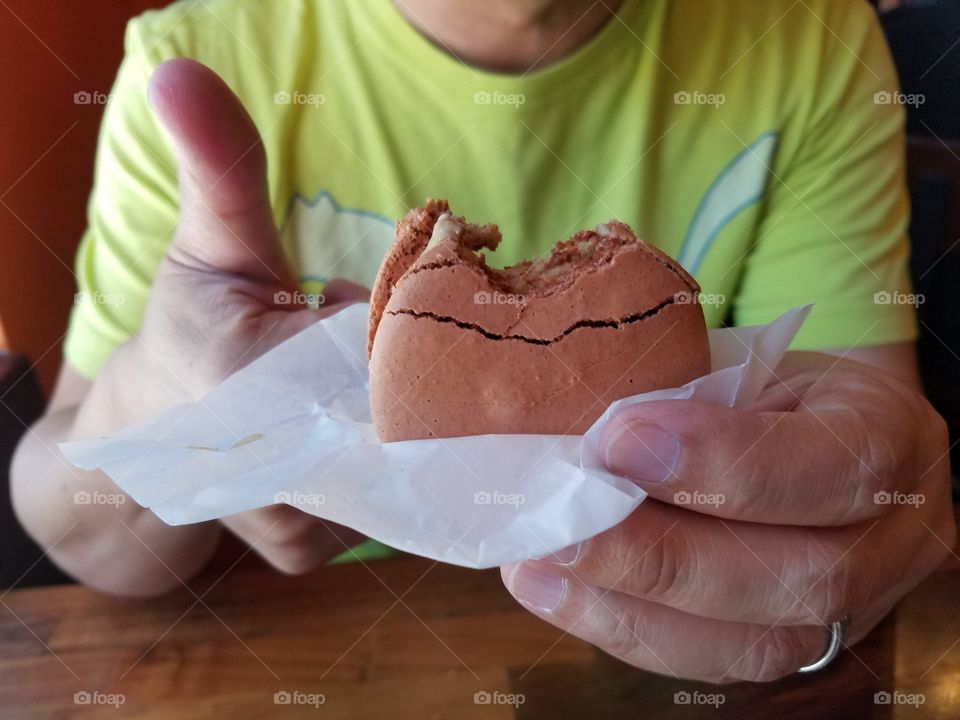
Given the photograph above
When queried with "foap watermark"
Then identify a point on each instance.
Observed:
(86, 97)
(684, 697)
(97, 497)
(299, 498)
(898, 498)
(296, 697)
(99, 298)
(485, 97)
(688, 297)
(496, 497)
(498, 298)
(95, 697)
(295, 97)
(311, 300)
(696, 97)
(884, 97)
(482, 697)
(885, 297)
(698, 498)
(899, 698)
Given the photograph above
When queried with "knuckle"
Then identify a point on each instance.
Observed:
(754, 488)
(936, 430)
(829, 598)
(291, 543)
(875, 462)
(626, 639)
(880, 460)
(293, 561)
(752, 458)
(659, 573)
(824, 584)
(780, 652)
(288, 534)
(880, 436)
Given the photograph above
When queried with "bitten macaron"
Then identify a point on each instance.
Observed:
(461, 348)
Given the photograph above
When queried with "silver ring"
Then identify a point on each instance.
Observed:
(838, 635)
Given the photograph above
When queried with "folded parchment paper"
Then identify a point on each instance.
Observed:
(294, 426)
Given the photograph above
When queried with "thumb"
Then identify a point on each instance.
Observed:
(225, 218)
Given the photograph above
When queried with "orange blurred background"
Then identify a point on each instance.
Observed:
(51, 51)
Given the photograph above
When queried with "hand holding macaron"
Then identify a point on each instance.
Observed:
(830, 497)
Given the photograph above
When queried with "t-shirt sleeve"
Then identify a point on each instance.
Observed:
(131, 216)
(835, 229)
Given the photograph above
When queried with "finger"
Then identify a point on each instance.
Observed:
(337, 294)
(796, 374)
(343, 291)
(225, 221)
(743, 572)
(850, 443)
(292, 541)
(661, 639)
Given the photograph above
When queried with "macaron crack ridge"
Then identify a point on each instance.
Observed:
(616, 324)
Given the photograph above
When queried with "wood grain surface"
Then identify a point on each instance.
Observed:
(409, 638)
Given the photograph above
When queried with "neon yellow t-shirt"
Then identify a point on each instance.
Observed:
(753, 141)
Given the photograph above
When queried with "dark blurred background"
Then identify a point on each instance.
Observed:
(59, 62)
(51, 52)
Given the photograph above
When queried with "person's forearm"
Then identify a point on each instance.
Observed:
(87, 525)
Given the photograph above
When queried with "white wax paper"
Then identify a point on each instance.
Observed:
(294, 426)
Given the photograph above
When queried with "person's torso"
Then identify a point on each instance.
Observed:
(674, 118)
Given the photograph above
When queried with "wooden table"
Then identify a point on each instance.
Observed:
(409, 638)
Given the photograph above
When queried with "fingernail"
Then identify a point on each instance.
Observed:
(642, 452)
(567, 556)
(538, 589)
